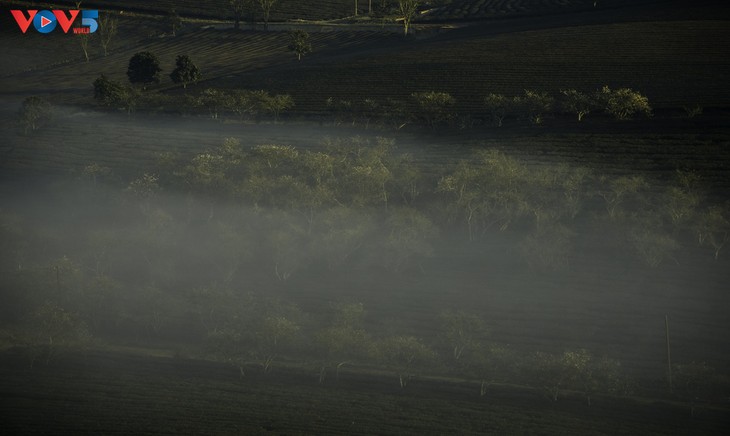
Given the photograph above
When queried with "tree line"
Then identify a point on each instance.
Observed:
(192, 233)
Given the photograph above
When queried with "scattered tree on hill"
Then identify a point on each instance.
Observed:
(680, 205)
(273, 335)
(108, 26)
(215, 101)
(51, 329)
(300, 44)
(693, 111)
(341, 109)
(578, 103)
(713, 228)
(555, 373)
(498, 107)
(434, 108)
(174, 22)
(112, 93)
(109, 92)
(186, 71)
(618, 191)
(277, 104)
(409, 238)
(623, 103)
(344, 340)
(239, 7)
(408, 9)
(35, 112)
(84, 39)
(144, 68)
(534, 105)
(404, 354)
(653, 246)
(461, 332)
(266, 6)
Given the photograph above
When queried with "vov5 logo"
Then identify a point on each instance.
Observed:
(47, 21)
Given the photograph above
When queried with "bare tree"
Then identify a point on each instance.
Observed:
(84, 41)
(107, 31)
(35, 112)
(266, 6)
(239, 7)
(408, 9)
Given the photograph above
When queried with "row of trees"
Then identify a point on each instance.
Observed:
(436, 109)
(182, 266)
(249, 332)
(406, 10)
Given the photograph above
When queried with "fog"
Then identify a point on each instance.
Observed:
(171, 231)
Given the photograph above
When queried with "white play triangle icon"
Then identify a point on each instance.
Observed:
(45, 21)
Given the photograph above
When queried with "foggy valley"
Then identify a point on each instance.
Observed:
(254, 251)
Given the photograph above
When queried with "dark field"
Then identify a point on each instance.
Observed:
(126, 393)
(175, 267)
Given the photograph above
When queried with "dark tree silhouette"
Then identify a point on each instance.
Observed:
(144, 68)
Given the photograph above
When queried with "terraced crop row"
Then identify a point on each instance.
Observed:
(220, 54)
(670, 62)
(117, 393)
(283, 9)
(476, 9)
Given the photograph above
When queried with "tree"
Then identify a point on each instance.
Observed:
(534, 105)
(300, 44)
(623, 103)
(653, 246)
(408, 240)
(185, 72)
(461, 331)
(489, 190)
(274, 333)
(112, 93)
(434, 108)
(35, 112)
(680, 205)
(215, 101)
(276, 104)
(238, 7)
(84, 39)
(404, 354)
(713, 228)
(144, 68)
(52, 329)
(173, 21)
(108, 92)
(344, 339)
(553, 373)
(498, 107)
(407, 9)
(266, 6)
(619, 191)
(488, 363)
(578, 103)
(108, 26)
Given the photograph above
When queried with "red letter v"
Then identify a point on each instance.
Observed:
(61, 17)
(20, 18)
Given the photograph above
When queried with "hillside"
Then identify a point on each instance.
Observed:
(668, 61)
